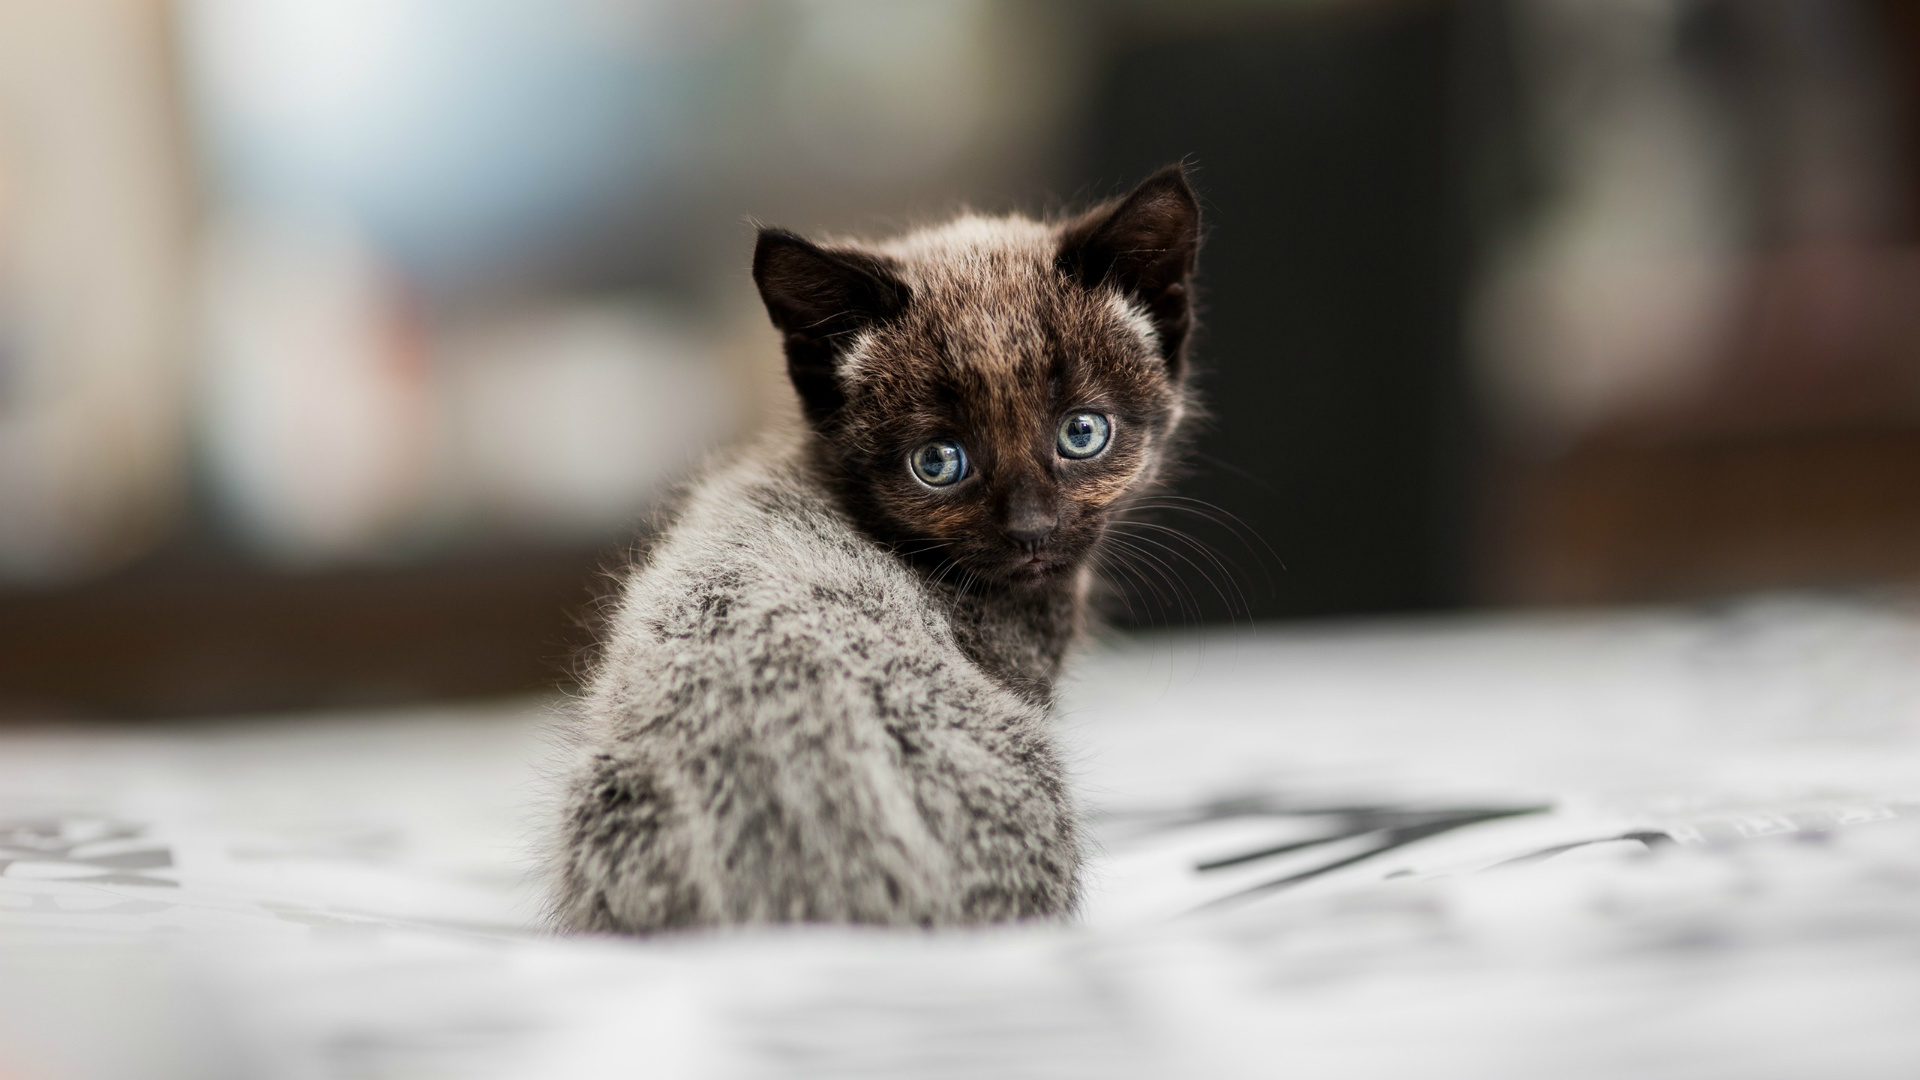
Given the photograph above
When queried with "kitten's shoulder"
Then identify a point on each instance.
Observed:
(759, 530)
(760, 502)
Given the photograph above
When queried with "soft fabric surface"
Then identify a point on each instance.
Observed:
(1681, 844)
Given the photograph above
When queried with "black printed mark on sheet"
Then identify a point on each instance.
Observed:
(90, 851)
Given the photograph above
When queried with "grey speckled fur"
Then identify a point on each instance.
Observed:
(824, 695)
(784, 728)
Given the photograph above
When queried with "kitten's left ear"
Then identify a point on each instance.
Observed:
(820, 298)
(1144, 245)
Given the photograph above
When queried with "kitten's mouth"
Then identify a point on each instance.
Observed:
(1021, 568)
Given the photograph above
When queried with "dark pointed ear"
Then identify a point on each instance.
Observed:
(819, 299)
(1144, 245)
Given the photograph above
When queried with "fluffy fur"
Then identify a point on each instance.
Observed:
(825, 693)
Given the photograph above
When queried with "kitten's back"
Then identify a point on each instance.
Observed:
(784, 728)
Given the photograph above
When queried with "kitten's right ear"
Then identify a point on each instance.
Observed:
(1144, 245)
(819, 298)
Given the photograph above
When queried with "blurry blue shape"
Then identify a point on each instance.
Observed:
(455, 133)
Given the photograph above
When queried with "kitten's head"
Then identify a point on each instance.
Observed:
(992, 390)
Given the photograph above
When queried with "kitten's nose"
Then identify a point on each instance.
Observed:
(1032, 536)
(1029, 522)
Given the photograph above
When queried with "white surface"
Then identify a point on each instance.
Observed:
(345, 896)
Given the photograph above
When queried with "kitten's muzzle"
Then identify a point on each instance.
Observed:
(1029, 524)
(1031, 538)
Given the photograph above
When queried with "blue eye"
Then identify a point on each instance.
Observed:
(1083, 435)
(938, 464)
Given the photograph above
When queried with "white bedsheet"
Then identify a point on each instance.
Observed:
(1629, 844)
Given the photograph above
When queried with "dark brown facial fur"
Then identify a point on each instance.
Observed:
(988, 333)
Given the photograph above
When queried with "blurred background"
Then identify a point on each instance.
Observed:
(344, 344)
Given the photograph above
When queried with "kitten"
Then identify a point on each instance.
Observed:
(825, 693)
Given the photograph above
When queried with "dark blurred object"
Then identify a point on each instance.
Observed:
(1538, 300)
(1332, 281)
(1698, 515)
(1771, 434)
(216, 637)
